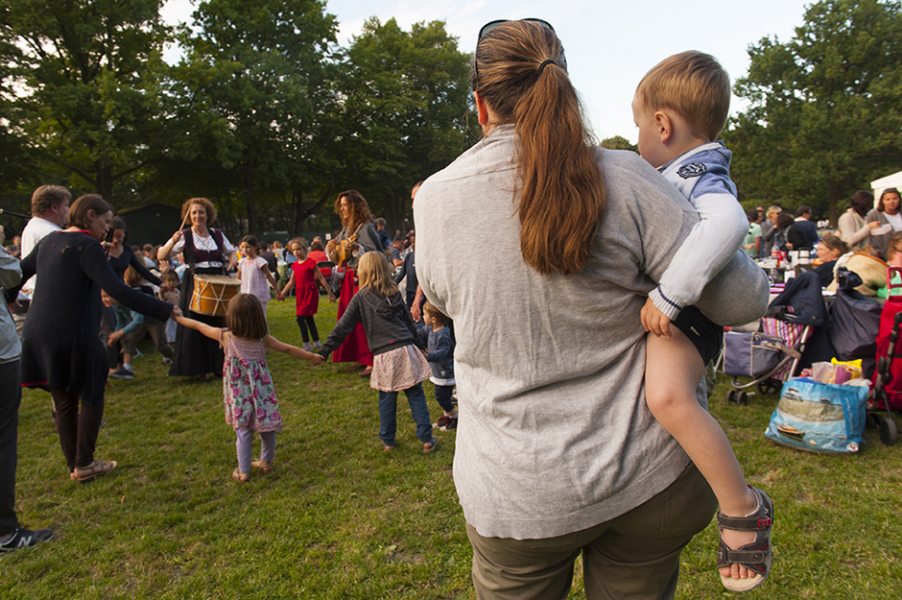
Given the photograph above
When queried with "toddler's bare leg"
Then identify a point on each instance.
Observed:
(672, 373)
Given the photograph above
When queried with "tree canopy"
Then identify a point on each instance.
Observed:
(264, 113)
(825, 114)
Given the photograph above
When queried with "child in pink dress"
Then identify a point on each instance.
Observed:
(253, 271)
(248, 394)
(303, 275)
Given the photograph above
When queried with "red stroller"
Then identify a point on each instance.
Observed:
(887, 387)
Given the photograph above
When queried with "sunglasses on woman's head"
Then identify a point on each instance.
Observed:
(493, 24)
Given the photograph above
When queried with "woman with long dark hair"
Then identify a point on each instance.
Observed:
(62, 350)
(358, 235)
(557, 453)
(887, 212)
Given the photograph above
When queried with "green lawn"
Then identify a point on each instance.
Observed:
(341, 519)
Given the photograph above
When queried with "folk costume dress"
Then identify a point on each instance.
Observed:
(248, 393)
(355, 348)
(195, 353)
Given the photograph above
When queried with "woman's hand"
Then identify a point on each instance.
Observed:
(330, 245)
(317, 360)
(654, 321)
(176, 237)
(176, 312)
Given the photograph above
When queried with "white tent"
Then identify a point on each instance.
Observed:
(894, 180)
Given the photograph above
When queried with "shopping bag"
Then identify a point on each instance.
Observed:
(820, 417)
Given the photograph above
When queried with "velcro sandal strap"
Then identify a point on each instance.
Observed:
(750, 523)
(753, 559)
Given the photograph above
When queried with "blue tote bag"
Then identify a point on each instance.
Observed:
(820, 417)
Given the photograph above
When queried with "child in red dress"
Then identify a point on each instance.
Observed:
(303, 272)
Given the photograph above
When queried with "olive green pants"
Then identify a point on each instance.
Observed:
(635, 555)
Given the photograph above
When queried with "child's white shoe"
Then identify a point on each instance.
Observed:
(307, 347)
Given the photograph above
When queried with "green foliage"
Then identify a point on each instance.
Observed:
(252, 86)
(825, 114)
(405, 107)
(87, 78)
(618, 142)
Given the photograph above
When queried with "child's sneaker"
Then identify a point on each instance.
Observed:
(317, 346)
(449, 425)
(442, 422)
(307, 347)
(167, 361)
(122, 373)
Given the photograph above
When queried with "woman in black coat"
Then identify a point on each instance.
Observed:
(61, 348)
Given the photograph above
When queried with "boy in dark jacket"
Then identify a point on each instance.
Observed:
(441, 358)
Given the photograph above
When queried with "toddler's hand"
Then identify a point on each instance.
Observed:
(331, 297)
(317, 360)
(654, 320)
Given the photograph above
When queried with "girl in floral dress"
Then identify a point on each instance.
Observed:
(248, 394)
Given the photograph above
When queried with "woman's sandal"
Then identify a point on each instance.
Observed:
(92, 471)
(757, 556)
(263, 465)
(240, 477)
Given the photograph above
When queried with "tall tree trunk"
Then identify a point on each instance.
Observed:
(835, 197)
(250, 201)
(104, 180)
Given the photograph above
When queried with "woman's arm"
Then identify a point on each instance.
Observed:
(140, 267)
(849, 230)
(96, 266)
(165, 250)
(274, 344)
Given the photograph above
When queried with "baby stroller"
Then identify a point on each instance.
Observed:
(772, 355)
(887, 388)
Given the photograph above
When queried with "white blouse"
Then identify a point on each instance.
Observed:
(205, 243)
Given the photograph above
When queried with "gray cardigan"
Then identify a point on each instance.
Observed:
(556, 436)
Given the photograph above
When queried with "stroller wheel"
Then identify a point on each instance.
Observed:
(742, 398)
(731, 396)
(888, 431)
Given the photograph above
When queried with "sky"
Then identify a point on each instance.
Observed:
(609, 45)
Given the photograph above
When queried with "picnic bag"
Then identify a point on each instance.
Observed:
(820, 417)
(751, 354)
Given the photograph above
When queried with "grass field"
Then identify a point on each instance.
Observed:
(341, 519)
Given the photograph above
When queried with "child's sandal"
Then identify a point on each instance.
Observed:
(430, 446)
(240, 477)
(263, 465)
(757, 556)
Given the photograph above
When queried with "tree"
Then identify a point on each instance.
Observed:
(405, 110)
(825, 115)
(86, 78)
(255, 81)
(618, 142)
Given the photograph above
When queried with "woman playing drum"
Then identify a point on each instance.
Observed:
(206, 251)
(357, 236)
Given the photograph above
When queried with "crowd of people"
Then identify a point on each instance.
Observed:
(620, 272)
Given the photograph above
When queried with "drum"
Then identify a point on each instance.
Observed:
(212, 294)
